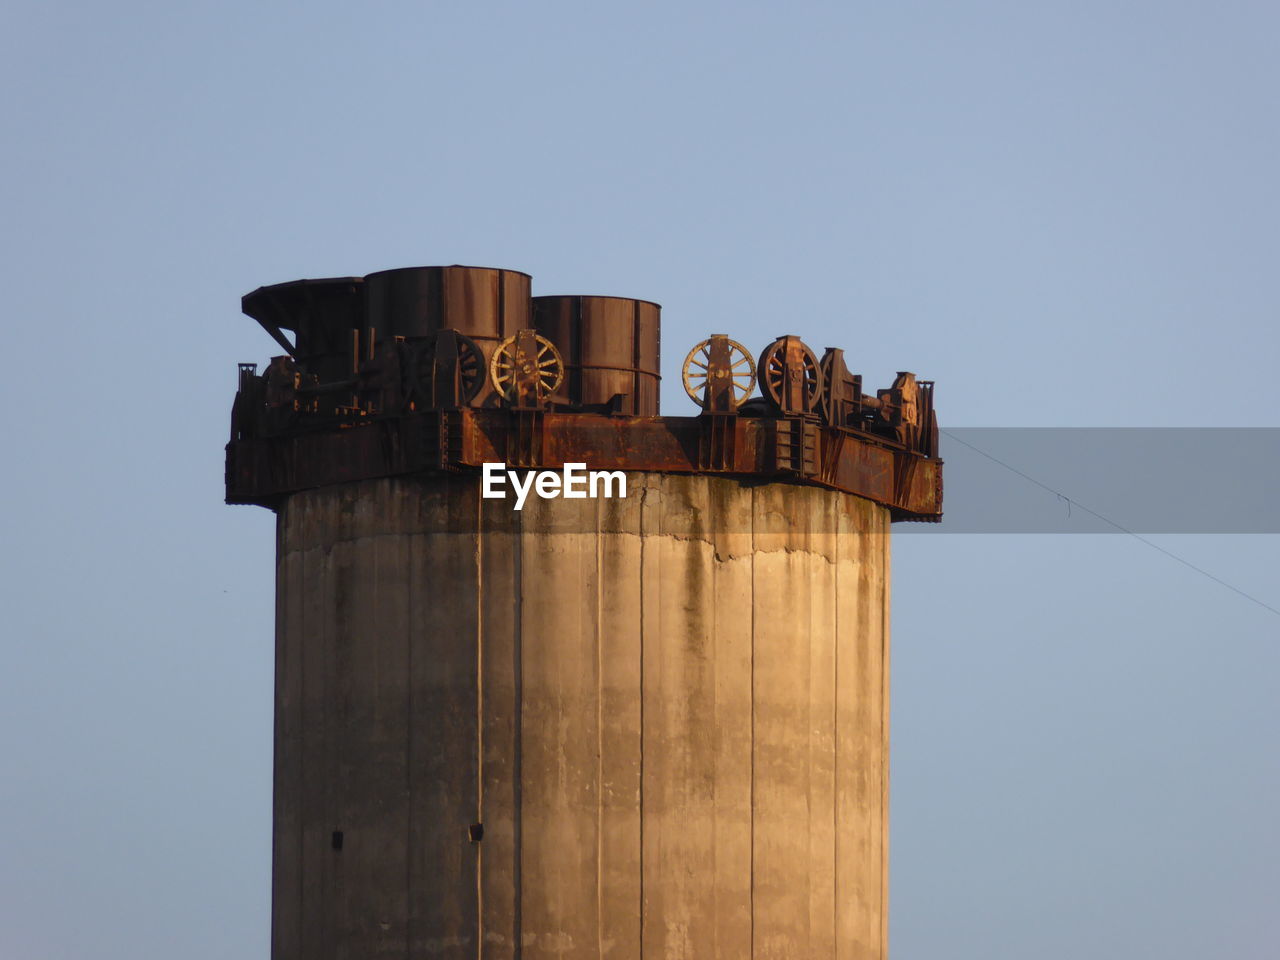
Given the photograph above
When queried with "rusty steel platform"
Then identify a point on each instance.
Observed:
(432, 369)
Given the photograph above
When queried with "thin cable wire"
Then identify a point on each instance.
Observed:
(1123, 529)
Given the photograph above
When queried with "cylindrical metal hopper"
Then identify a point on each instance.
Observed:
(610, 348)
(485, 303)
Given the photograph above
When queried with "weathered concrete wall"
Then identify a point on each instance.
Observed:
(668, 712)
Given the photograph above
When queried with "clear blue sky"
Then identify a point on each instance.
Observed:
(1066, 214)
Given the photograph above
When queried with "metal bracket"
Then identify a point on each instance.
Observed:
(904, 471)
(718, 446)
(795, 446)
(525, 437)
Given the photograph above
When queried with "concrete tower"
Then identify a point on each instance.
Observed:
(650, 725)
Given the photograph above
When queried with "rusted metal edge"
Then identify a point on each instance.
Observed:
(264, 471)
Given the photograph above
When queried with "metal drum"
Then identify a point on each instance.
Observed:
(610, 349)
(485, 303)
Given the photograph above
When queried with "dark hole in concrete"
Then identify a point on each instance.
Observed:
(475, 832)
(337, 839)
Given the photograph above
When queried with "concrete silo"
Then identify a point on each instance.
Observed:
(647, 721)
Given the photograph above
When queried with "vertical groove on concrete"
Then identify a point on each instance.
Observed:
(823, 561)
(881, 539)
(644, 640)
(290, 823)
(751, 696)
(845, 588)
(314, 874)
(730, 606)
(517, 540)
(495, 588)
(480, 738)
(411, 925)
(837, 549)
(600, 778)
(720, 822)
(320, 893)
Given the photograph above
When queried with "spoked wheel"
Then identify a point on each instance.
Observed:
(715, 364)
(468, 362)
(790, 376)
(841, 390)
(527, 360)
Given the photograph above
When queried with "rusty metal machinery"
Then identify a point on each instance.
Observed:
(447, 368)
(842, 396)
(321, 314)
